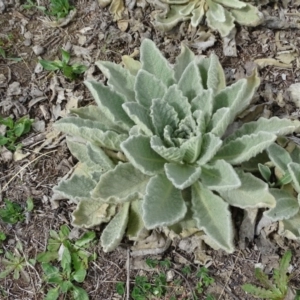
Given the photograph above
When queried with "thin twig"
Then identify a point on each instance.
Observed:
(187, 282)
(44, 154)
(226, 283)
(128, 275)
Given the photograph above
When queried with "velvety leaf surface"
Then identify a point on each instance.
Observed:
(279, 156)
(119, 78)
(219, 176)
(182, 175)
(136, 224)
(190, 82)
(253, 193)
(75, 187)
(153, 62)
(243, 148)
(114, 231)
(163, 204)
(182, 61)
(139, 152)
(286, 206)
(124, 183)
(294, 170)
(147, 88)
(110, 103)
(213, 216)
(91, 212)
(140, 116)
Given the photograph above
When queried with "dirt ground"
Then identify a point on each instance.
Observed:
(25, 89)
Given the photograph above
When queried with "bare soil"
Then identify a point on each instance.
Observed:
(25, 89)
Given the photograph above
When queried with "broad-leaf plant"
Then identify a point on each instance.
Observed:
(220, 14)
(157, 151)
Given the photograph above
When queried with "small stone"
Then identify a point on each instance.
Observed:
(2, 6)
(28, 35)
(14, 89)
(38, 68)
(27, 42)
(38, 50)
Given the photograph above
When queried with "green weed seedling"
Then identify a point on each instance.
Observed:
(204, 281)
(74, 259)
(59, 8)
(69, 71)
(15, 129)
(31, 4)
(2, 239)
(157, 286)
(13, 212)
(16, 263)
(275, 289)
(5, 56)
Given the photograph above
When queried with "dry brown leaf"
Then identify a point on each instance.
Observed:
(123, 25)
(264, 62)
(116, 9)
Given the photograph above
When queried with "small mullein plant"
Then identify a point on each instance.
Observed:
(155, 151)
(221, 15)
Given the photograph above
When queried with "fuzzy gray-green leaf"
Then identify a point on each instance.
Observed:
(92, 131)
(248, 15)
(139, 152)
(192, 148)
(243, 148)
(210, 146)
(220, 176)
(110, 103)
(163, 204)
(175, 98)
(224, 27)
(163, 114)
(190, 82)
(182, 175)
(124, 183)
(168, 153)
(204, 102)
(220, 121)
(94, 113)
(294, 170)
(153, 62)
(279, 156)
(91, 212)
(273, 125)
(253, 193)
(182, 61)
(213, 216)
(140, 115)
(136, 224)
(286, 206)
(114, 231)
(147, 88)
(119, 78)
(76, 187)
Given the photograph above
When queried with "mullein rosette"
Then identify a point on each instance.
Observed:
(152, 153)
